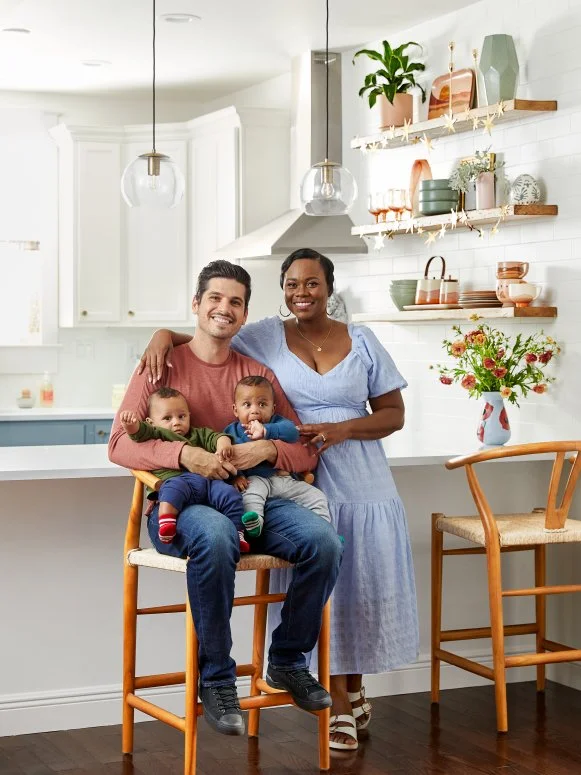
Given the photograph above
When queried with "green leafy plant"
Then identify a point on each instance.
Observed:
(395, 75)
(488, 360)
(469, 169)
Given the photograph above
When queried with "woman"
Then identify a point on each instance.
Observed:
(330, 371)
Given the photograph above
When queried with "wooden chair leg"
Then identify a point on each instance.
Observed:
(540, 609)
(497, 631)
(191, 714)
(325, 680)
(437, 562)
(130, 583)
(258, 639)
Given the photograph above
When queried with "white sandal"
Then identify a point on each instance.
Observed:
(361, 710)
(345, 724)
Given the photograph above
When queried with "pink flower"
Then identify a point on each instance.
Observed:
(446, 380)
(545, 357)
(499, 372)
(457, 349)
(505, 391)
(530, 358)
(476, 336)
(489, 363)
(468, 381)
(500, 354)
(540, 388)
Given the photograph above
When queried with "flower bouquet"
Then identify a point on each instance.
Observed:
(492, 364)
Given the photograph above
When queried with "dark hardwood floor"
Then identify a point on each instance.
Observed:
(407, 737)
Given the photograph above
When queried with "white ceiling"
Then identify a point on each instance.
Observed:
(237, 43)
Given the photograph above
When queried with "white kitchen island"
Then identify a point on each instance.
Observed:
(64, 511)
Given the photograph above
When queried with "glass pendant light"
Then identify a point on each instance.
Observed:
(327, 188)
(153, 179)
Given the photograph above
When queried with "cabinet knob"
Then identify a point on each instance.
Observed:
(131, 313)
(84, 313)
(100, 433)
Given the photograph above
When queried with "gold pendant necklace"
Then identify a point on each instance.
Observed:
(317, 347)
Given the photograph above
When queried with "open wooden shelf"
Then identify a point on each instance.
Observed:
(429, 315)
(475, 218)
(435, 127)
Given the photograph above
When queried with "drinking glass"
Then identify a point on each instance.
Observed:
(374, 205)
(397, 202)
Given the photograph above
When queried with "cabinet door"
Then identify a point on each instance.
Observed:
(97, 231)
(158, 287)
(97, 432)
(42, 432)
(214, 186)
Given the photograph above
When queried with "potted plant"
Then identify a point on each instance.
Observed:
(491, 364)
(481, 170)
(389, 85)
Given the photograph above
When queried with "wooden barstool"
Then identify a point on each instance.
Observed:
(261, 694)
(494, 534)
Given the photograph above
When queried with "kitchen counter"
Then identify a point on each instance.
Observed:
(57, 413)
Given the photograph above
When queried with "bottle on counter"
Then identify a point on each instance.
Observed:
(46, 393)
(117, 396)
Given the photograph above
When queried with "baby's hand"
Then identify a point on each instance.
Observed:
(129, 421)
(224, 449)
(255, 430)
(241, 483)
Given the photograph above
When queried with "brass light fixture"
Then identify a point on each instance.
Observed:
(327, 188)
(153, 179)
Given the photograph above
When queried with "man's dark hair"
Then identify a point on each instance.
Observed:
(326, 263)
(228, 271)
(254, 380)
(163, 392)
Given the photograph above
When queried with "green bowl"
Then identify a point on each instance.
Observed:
(402, 301)
(440, 194)
(437, 208)
(433, 185)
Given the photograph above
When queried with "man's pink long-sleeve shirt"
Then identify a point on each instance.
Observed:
(209, 391)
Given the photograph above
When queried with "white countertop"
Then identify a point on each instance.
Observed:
(81, 461)
(57, 413)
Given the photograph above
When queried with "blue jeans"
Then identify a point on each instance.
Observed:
(188, 489)
(210, 540)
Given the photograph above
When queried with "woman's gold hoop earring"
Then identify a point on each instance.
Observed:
(280, 312)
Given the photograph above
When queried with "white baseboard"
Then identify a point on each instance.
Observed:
(101, 705)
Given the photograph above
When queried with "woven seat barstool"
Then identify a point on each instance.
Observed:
(493, 534)
(261, 695)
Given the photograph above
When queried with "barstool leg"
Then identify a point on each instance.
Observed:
(497, 632)
(437, 562)
(540, 609)
(258, 639)
(191, 714)
(130, 582)
(325, 679)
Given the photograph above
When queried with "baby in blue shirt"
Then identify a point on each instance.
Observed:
(254, 407)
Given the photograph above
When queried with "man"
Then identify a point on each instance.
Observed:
(206, 370)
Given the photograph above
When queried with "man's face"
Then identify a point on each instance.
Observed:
(221, 311)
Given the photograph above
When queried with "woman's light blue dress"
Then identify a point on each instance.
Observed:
(374, 626)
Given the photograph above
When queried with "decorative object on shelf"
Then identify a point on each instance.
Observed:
(437, 197)
(327, 188)
(428, 288)
(476, 95)
(508, 273)
(525, 190)
(421, 171)
(153, 179)
(485, 191)
(449, 291)
(403, 292)
(336, 308)
(25, 400)
(499, 68)
(522, 294)
(389, 85)
(478, 300)
(491, 362)
(474, 170)
(457, 87)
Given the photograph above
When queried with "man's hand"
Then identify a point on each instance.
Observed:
(198, 461)
(129, 421)
(241, 483)
(255, 430)
(248, 455)
(224, 448)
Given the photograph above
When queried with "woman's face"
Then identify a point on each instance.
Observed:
(305, 289)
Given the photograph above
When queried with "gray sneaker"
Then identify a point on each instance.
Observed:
(305, 690)
(222, 709)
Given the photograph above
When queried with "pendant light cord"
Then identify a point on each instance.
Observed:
(326, 82)
(153, 85)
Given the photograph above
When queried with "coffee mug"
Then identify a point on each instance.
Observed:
(522, 294)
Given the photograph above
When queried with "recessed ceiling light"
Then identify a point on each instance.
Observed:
(17, 30)
(180, 18)
(95, 62)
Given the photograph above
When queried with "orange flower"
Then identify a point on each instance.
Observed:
(545, 357)
(489, 364)
(505, 391)
(499, 372)
(446, 380)
(476, 337)
(457, 349)
(468, 381)
(540, 388)
(530, 358)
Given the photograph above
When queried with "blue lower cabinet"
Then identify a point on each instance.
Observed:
(37, 433)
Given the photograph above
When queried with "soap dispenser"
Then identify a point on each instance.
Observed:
(46, 394)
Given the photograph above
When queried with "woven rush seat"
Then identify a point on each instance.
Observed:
(150, 558)
(513, 529)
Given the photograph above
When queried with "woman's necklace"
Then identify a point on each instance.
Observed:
(317, 347)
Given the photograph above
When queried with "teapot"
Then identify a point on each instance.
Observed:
(428, 288)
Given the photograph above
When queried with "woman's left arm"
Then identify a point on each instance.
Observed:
(387, 416)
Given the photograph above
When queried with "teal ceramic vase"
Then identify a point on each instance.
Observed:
(493, 428)
(499, 68)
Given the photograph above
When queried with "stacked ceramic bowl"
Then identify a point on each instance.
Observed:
(403, 292)
(436, 197)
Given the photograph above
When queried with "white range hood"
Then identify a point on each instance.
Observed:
(293, 229)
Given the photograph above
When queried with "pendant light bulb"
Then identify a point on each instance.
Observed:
(153, 179)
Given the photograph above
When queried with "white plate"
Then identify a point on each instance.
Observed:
(432, 306)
